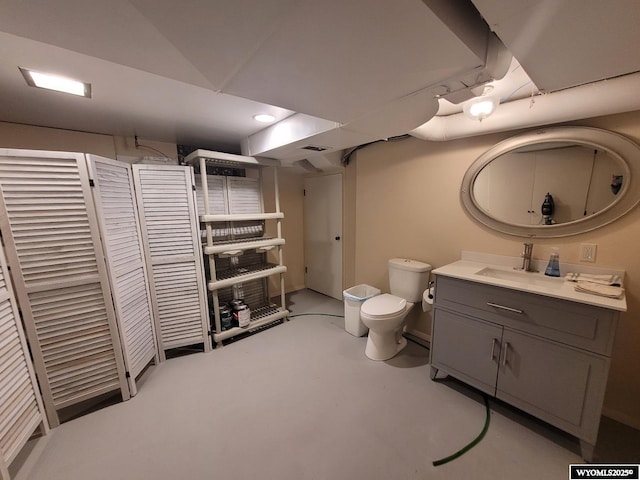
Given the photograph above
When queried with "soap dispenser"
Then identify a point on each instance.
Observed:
(553, 268)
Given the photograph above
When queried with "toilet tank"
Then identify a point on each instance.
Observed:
(408, 279)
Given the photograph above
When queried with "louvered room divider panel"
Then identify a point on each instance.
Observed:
(119, 224)
(217, 193)
(21, 408)
(56, 258)
(245, 195)
(166, 203)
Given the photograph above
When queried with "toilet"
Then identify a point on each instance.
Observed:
(385, 314)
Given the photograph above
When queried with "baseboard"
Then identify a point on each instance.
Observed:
(621, 417)
(418, 337)
(275, 296)
(294, 288)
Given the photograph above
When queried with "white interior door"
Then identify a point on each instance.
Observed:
(323, 234)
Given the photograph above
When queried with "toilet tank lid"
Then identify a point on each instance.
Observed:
(411, 265)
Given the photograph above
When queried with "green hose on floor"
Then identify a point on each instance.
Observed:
(465, 449)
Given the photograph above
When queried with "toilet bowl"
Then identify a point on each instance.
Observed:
(385, 315)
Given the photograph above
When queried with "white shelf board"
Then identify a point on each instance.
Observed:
(232, 332)
(240, 217)
(229, 247)
(228, 159)
(227, 282)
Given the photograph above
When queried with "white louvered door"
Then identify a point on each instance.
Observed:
(21, 409)
(171, 235)
(54, 250)
(115, 202)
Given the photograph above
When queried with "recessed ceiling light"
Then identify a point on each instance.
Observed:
(264, 118)
(56, 82)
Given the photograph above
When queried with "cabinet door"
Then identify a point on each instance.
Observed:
(559, 384)
(466, 348)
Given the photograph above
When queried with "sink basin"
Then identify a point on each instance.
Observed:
(520, 276)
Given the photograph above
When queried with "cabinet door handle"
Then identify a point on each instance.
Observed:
(502, 307)
(505, 349)
(494, 342)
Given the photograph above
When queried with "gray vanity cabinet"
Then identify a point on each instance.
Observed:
(559, 384)
(466, 348)
(546, 356)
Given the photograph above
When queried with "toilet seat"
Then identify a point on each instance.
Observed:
(383, 306)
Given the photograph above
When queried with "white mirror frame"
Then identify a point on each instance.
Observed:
(624, 150)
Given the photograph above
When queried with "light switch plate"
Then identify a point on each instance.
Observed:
(588, 252)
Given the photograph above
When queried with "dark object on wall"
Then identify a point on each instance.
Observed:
(616, 183)
(547, 209)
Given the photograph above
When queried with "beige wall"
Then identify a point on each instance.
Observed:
(13, 135)
(407, 205)
(291, 203)
(126, 150)
(349, 196)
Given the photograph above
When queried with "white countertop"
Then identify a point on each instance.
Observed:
(548, 286)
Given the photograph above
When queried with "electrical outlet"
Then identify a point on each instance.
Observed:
(588, 252)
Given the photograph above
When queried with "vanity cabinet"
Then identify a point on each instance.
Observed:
(546, 356)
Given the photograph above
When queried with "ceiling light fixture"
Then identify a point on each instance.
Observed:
(481, 107)
(264, 118)
(56, 82)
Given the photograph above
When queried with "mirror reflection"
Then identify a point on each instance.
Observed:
(548, 183)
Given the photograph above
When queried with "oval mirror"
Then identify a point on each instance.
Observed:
(554, 182)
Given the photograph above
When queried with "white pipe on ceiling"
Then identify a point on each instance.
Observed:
(615, 95)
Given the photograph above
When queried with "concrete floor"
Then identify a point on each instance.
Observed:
(301, 401)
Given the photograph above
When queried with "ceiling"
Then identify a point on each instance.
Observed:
(194, 72)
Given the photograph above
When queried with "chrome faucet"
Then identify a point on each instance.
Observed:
(526, 257)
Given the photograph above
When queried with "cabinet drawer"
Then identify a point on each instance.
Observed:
(584, 326)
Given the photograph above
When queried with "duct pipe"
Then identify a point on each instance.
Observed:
(616, 95)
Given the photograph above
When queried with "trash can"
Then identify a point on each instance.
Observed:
(353, 298)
